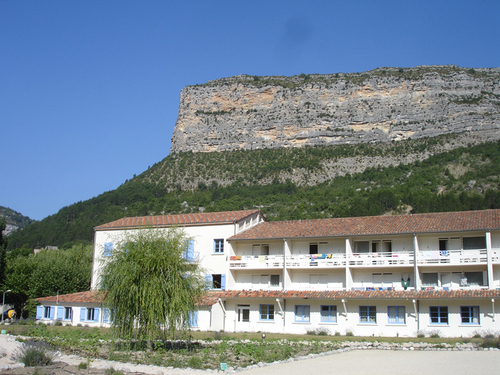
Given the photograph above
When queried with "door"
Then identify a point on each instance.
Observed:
(243, 318)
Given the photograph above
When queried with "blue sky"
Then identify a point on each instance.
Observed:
(89, 90)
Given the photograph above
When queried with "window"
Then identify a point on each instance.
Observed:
(362, 246)
(108, 249)
(329, 314)
(68, 313)
(438, 314)
(469, 314)
(275, 280)
(266, 312)
(430, 279)
(313, 248)
(443, 244)
(188, 252)
(90, 314)
(474, 243)
(302, 313)
(396, 314)
(219, 246)
(367, 314)
(215, 281)
(474, 278)
(48, 312)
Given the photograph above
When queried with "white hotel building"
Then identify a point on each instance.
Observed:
(383, 275)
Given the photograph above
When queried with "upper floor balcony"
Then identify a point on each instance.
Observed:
(453, 257)
(256, 261)
(382, 259)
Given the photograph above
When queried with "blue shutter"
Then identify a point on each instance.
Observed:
(96, 315)
(215, 245)
(193, 319)
(108, 249)
(190, 250)
(82, 314)
(52, 312)
(208, 281)
(105, 315)
(60, 312)
(39, 312)
(223, 282)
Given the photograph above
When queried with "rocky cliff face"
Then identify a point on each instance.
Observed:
(386, 104)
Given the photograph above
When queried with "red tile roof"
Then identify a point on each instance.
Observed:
(211, 297)
(226, 217)
(91, 296)
(375, 225)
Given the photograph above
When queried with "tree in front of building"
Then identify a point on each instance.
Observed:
(150, 286)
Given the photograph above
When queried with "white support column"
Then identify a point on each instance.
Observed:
(286, 254)
(348, 254)
(416, 277)
(489, 254)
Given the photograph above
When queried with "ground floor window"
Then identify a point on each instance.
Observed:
(90, 314)
(367, 314)
(266, 312)
(302, 313)
(48, 312)
(329, 313)
(68, 313)
(438, 314)
(396, 314)
(469, 314)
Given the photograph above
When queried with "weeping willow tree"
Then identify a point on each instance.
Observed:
(150, 287)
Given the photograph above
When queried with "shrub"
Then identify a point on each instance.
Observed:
(112, 371)
(82, 365)
(195, 362)
(435, 334)
(33, 353)
(349, 333)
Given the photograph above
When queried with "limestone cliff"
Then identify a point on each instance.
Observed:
(385, 104)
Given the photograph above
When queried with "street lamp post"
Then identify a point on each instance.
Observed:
(3, 301)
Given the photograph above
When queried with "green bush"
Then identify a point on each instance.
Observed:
(33, 353)
(82, 365)
(195, 362)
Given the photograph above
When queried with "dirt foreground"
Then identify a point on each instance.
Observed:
(358, 362)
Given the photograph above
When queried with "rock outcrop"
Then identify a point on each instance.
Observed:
(386, 104)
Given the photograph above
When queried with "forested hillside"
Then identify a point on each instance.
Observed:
(291, 183)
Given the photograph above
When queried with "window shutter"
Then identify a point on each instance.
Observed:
(52, 312)
(96, 315)
(39, 312)
(82, 314)
(60, 311)
(208, 281)
(105, 315)
(193, 319)
(190, 254)
(223, 282)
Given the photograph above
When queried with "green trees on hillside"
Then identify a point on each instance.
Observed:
(462, 179)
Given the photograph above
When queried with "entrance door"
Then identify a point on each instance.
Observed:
(243, 318)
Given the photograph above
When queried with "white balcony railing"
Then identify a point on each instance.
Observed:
(452, 256)
(256, 261)
(316, 260)
(381, 259)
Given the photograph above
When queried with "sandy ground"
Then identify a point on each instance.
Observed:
(355, 362)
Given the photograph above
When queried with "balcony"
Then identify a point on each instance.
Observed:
(256, 261)
(452, 257)
(316, 260)
(381, 259)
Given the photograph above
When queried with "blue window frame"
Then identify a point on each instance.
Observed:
(438, 314)
(215, 281)
(329, 313)
(48, 312)
(266, 312)
(108, 249)
(367, 314)
(89, 314)
(469, 314)
(396, 315)
(302, 313)
(219, 246)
